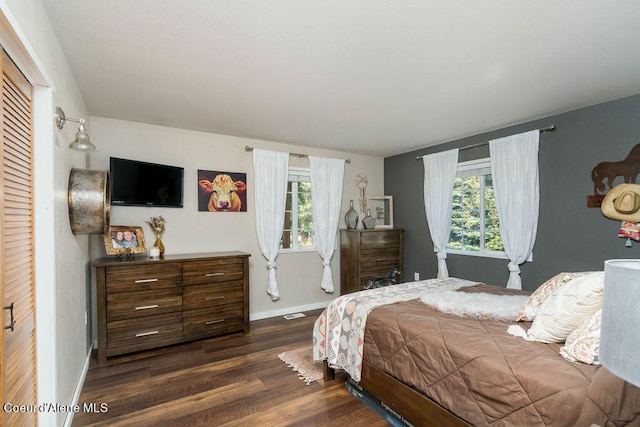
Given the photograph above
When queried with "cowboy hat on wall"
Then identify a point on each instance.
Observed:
(622, 202)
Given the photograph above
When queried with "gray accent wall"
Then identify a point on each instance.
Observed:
(571, 237)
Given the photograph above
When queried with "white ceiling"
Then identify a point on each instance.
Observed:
(377, 77)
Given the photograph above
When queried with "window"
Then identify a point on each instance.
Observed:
(475, 227)
(298, 222)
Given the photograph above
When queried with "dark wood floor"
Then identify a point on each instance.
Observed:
(235, 380)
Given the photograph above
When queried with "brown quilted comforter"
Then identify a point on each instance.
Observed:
(475, 369)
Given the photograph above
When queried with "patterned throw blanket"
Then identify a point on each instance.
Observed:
(338, 334)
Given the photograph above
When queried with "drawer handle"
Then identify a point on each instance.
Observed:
(146, 334)
(212, 322)
(213, 274)
(12, 325)
(145, 307)
(218, 297)
(146, 280)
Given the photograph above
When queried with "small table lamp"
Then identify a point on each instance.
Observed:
(619, 331)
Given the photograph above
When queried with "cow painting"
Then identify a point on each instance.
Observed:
(221, 192)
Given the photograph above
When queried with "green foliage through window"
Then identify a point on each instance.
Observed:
(475, 226)
(298, 221)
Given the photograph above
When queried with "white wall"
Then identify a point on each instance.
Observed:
(190, 231)
(62, 259)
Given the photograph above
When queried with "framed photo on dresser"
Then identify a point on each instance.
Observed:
(124, 240)
(382, 210)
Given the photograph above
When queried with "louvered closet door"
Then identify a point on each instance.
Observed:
(17, 247)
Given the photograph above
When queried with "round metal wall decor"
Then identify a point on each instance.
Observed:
(89, 201)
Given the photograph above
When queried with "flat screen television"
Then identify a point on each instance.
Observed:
(135, 183)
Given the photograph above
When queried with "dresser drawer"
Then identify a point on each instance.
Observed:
(373, 258)
(128, 305)
(212, 321)
(212, 294)
(382, 253)
(373, 272)
(143, 277)
(213, 270)
(144, 304)
(124, 336)
(380, 239)
(367, 254)
(376, 263)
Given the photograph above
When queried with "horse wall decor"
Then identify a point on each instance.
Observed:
(628, 169)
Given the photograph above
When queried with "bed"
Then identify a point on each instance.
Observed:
(431, 367)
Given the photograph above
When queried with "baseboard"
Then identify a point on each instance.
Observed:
(282, 312)
(76, 394)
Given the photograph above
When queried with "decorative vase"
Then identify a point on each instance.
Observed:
(158, 244)
(351, 217)
(369, 221)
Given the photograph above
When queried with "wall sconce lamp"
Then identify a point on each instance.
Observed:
(81, 143)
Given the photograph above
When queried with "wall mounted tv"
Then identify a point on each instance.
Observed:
(135, 183)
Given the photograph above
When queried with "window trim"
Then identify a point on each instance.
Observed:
(482, 254)
(297, 174)
(471, 168)
(474, 168)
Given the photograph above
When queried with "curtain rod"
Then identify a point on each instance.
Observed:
(551, 128)
(302, 156)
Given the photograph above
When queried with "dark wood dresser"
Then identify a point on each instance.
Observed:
(145, 303)
(366, 254)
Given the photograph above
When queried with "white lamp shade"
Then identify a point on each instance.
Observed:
(620, 333)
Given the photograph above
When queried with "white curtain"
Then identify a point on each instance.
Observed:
(327, 176)
(439, 177)
(271, 169)
(514, 166)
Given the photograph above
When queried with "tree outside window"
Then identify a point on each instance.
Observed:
(475, 227)
(298, 221)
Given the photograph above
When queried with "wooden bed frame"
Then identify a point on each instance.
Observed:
(414, 406)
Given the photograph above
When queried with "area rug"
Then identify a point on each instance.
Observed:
(301, 361)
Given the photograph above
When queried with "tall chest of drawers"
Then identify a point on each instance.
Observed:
(144, 304)
(366, 254)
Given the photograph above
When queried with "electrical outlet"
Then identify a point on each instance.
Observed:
(86, 318)
(416, 276)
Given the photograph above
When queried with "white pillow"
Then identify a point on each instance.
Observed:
(567, 307)
(583, 344)
(531, 307)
